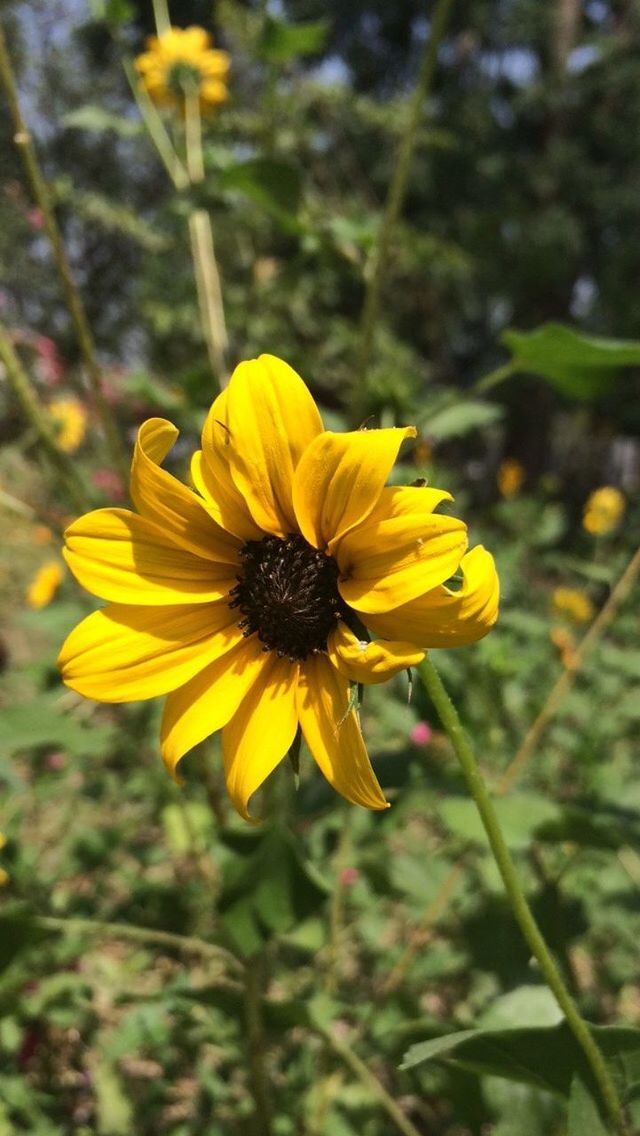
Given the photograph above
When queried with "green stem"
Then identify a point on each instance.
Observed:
(41, 193)
(343, 1050)
(494, 378)
(156, 129)
(256, 1046)
(397, 192)
(145, 935)
(161, 16)
(521, 910)
(39, 421)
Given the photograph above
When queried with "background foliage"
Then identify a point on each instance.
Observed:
(376, 935)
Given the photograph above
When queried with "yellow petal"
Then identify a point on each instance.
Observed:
(369, 662)
(444, 618)
(208, 701)
(162, 498)
(212, 476)
(406, 500)
(120, 556)
(333, 735)
(270, 419)
(339, 480)
(388, 562)
(261, 731)
(125, 653)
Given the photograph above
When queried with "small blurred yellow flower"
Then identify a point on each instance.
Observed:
(42, 535)
(603, 511)
(70, 417)
(574, 604)
(182, 62)
(45, 584)
(510, 477)
(422, 452)
(563, 640)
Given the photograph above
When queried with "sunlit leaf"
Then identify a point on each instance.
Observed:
(580, 366)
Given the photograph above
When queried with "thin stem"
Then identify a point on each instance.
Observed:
(39, 421)
(566, 680)
(185, 943)
(156, 129)
(209, 292)
(256, 1047)
(436, 908)
(350, 1058)
(193, 136)
(161, 16)
(73, 300)
(336, 910)
(493, 379)
(398, 190)
(521, 910)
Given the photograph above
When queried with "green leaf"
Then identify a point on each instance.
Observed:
(463, 418)
(39, 723)
(96, 118)
(547, 1057)
(271, 183)
(580, 366)
(519, 816)
(113, 12)
(584, 1115)
(282, 42)
(268, 888)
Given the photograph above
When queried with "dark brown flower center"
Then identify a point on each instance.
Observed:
(288, 594)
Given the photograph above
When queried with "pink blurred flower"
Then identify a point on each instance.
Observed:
(35, 218)
(421, 734)
(55, 761)
(110, 483)
(349, 876)
(49, 364)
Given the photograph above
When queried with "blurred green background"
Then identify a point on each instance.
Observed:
(522, 212)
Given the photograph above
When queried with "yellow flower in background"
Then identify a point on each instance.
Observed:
(573, 603)
(182, 62)
(45, 584)
(510, 477)
(70, 418)
(603, 511)
(246, 601)
(564, 642)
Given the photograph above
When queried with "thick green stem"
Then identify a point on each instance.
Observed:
(40, 190)
(39, 421)
(521, 910)
(397, 192)
(256, 1046)
(161, 16)
(156, 129)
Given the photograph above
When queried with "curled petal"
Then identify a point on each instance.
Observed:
(119, 556)
(125, 653)
(369, 662)
(332, 732)
(270, 419)
(160, 497)
(446, 618)
(339, 481)
(261, 731)
(209, 700)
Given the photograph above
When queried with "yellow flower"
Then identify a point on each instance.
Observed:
(573, 603)
(45, 584)
(246, 601)
(70, 417)
(564, 641)
(603, 511)
(510, 477)
(182, 62)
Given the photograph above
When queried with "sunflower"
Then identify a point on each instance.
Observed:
(251, 601)
(182, 62)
